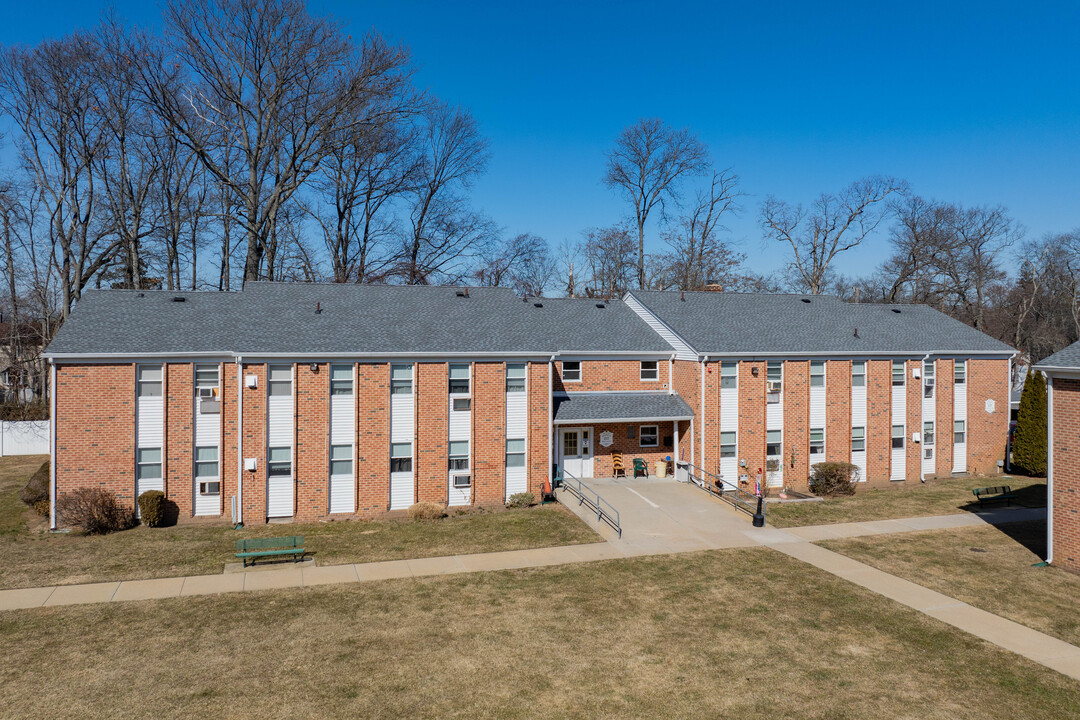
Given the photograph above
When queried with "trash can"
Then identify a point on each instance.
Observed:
(661, 468)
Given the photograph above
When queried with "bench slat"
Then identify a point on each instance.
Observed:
(264, 553)
(247, 544)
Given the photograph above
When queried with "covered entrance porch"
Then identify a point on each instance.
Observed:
(593, 428)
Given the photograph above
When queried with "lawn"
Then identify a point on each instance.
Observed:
(33, 556)
(988, 567)
(737, 633)
(935, 497)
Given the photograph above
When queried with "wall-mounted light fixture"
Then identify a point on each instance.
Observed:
(753, 371)
(314, 367)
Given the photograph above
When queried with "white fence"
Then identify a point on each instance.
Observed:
(24, 437)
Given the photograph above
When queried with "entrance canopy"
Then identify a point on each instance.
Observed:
(607, 407)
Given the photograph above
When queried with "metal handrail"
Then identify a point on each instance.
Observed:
(587, 496)
(723, 489)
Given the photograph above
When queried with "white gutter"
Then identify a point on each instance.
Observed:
(52, 446)
(1050, 469)
(839, 355)
(239, 441)
(582, 421)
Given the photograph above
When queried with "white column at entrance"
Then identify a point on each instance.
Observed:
(675, 450)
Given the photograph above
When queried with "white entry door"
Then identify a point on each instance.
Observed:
(576, 453)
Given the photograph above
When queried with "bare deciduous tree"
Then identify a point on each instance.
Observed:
(835, 224)
(646, 164)
(523, 263)
(697, 254)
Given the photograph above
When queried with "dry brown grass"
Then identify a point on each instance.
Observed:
(32, 556)
(988, 567)
(740, 633)
(935, 497)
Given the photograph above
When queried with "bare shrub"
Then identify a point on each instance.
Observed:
(37, 489)
(520, 500)
(427, 511)
(95, 511)
(830, 479)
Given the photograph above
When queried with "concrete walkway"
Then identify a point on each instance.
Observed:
(658, 518)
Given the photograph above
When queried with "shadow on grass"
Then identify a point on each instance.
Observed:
(1031, 534)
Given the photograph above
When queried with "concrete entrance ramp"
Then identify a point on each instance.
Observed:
(661, 516)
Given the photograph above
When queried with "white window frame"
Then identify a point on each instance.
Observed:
(401, 383)
(821, 432)
(773, 397)
(817, 373)
(349, 449)
(515, 382)
(278, 383)
(779, 443)
(201, 383)
(729, 374)
(960, 372)
(458, 457)
(858, 370)
(404, 451)
(270, 464)
(729, 449)
(858, 435)
(959, 432)
(898, 436)
(141, 465)
(467, 367)
(576, 370)
(655, 371)
(338, 384)
(146, 382)
(902, 375)
(515, 453)
(204, 479)
(642, 433)
(928, 433)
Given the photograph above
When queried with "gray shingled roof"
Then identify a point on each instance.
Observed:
(582, 407)
(1067, 358)
(715, 323)
(269, 317)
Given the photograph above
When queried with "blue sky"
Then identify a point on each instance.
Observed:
(977, 103)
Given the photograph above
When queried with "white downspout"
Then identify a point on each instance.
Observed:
(550, 423)
(671, 375)
(52, 444)
(1049, 467)
(922, 369)
(239, 440)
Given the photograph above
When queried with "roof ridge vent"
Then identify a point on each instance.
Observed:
(805, 300)
(601, 305)
(538, 304)
(179, 298)
(895, 310)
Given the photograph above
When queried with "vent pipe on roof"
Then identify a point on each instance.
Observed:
(682, 296)
(318, 308)
(856, 332)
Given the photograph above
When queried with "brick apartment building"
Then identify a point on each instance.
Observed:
(1063, 457)
(303, 401)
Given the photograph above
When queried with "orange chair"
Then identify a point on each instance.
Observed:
(617, 466)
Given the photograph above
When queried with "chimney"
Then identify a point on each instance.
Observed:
(713, 287)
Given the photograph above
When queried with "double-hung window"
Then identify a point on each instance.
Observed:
(817, 441)
(817, 373)
(959, 432)
(401, 379)
(459, 454)
(729, 377)
(897, 436)
(650, 370)
(928, 433)
(148, 463)
(515, 453)
(400, 457)
(341, 382)
(727, 444)
(898, 373)
(960, 372)
(649, 436)
(858, 439)
(858, 373)
(341, 460)
(206, 378)
(571, 371)
(279, 463)
(772, 443)
(928, 378)
(515, 377)
(459, 378)
(774, 375)
(149, 381)
(280, 382)
(206, 470)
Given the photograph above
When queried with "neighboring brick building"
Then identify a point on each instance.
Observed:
(1063, 462)
(355, 401)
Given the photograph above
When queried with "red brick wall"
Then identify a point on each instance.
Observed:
(943, 421)
(686, 381)
(312, 462)
(180, 436)
(751, 418)
(372, 438)
(987, 432)
(878, 422)
(489, 433)
(630, 448)
(432, 410)
(538, 443)
(796, 424)
(254, 444)
(1066, 473)
(95, 428)
(709, 459)
(838, 410)
(598, 375)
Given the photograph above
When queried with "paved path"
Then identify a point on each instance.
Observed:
(658, 518)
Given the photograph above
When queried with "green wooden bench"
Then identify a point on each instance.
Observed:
(253, 548)
(990, 494)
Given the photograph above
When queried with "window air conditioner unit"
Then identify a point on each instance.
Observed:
(462, 481)
(207, 393)
(211, 487)
(929, 453)
(929, 382)
(774, 385)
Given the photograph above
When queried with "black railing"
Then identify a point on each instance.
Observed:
(718, 487)
(588, 497)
